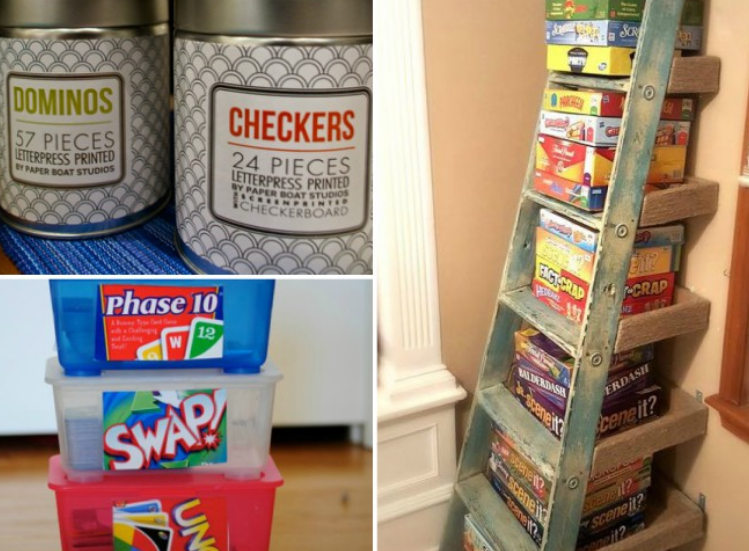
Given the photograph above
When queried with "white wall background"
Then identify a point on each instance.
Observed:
(321, 340)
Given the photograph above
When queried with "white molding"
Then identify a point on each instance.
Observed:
(417, 395)
(403, 507)
(409, 322)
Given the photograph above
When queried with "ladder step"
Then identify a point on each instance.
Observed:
(562, 331)
(685, 419)
(493, 516)
(671, 520)
(588, 219)
(533, 441)
(599, 83)
(695, 197)
(689, 313)
(689, 75)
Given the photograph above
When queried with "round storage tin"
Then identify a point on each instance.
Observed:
(273, 102)
(84, 111)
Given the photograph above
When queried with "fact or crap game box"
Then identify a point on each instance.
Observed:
(592, 166)
(604, 131)
(610, 104)
(590, 60)
(568, 295)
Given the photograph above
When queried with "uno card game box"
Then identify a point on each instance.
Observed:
(610, 104)
(175, 512)
(592, 166)
(157, 421)
(590, 60)
(604, 131)
(620, 34)
(473, 538)
(161, 324)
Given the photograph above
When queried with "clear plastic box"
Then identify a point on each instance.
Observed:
(162, 324)
(177, 512)
(150, 422)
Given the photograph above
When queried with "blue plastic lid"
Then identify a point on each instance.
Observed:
(162, 324)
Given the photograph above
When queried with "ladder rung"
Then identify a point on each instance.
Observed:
(493, 516)
(600, 83)
(561, 330)
(588, 219)
(531, 439)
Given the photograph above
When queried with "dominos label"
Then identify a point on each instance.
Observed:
(154, 323)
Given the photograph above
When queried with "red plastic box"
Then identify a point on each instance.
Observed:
(171, 512)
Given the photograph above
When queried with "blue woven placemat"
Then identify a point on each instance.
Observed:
(146, 250)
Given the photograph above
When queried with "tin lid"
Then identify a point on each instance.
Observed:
(76, 14)
(276, 18)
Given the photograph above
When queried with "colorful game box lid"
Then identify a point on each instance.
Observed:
(162, 324)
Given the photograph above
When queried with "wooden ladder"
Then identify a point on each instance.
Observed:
(673, 519)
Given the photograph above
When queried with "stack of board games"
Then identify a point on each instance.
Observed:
(614, 506)
(566, 253)
(541, 379)
(599, 37)
(164, 403)
(578, 135)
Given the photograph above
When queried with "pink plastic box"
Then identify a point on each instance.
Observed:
(174, 512)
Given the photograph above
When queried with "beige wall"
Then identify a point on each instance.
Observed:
(485, 77)
(485, 74)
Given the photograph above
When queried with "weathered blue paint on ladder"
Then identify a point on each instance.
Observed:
(570, 461)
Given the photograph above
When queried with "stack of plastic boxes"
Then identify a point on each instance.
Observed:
(164, 403)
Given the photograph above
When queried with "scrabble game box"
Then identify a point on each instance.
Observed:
(621, 34)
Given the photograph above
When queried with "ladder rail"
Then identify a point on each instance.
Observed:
(593, 348)
(626, 191)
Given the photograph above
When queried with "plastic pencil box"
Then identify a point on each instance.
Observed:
(174, 513)
(163, 324)
(160, 421)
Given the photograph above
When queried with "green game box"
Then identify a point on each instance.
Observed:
(615, 10)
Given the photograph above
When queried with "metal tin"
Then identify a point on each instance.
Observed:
(273, 102)
(84, 105)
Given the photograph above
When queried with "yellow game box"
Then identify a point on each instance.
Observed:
(590, 60)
